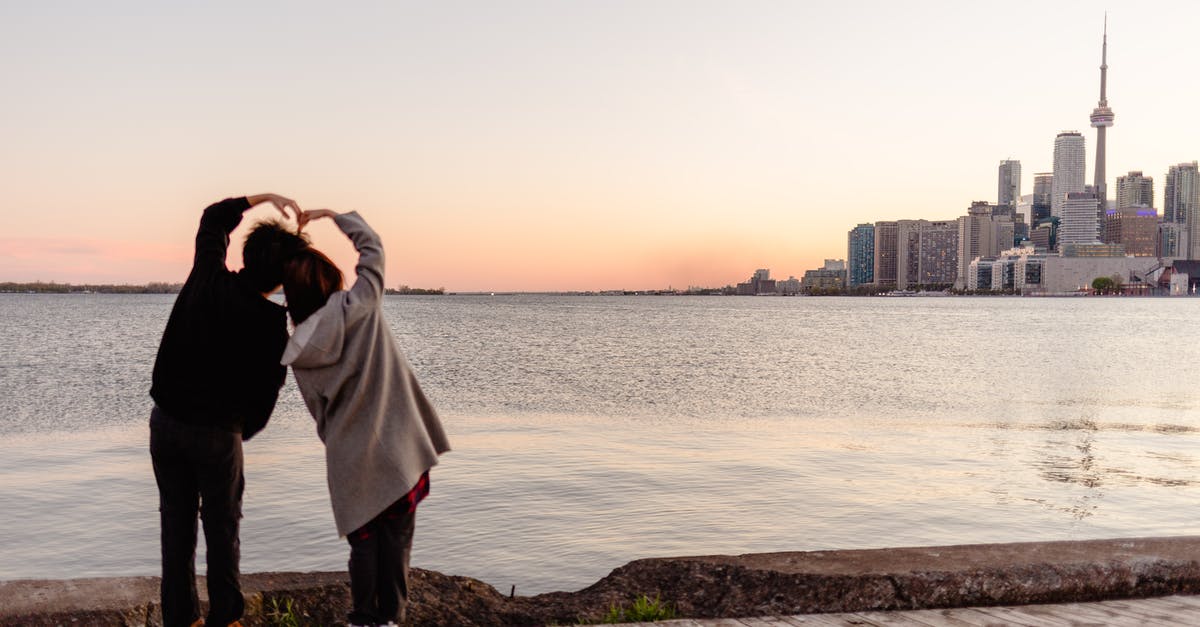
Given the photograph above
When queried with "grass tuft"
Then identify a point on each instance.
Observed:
(643, 609)
(283, 614)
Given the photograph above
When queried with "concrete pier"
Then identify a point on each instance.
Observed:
(702, 587)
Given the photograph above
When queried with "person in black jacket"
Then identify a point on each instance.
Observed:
(216, 379)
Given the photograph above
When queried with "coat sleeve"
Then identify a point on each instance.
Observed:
(368, 289)
(212, 238)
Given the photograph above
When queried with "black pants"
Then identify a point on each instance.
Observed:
(199, 471)
(379, 553)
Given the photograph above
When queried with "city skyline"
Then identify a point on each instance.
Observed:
(556, 147)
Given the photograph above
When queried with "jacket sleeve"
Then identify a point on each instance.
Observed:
(212, 239)
(368, 290)
(264, 377)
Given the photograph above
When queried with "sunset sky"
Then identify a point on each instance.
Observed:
(557, 145)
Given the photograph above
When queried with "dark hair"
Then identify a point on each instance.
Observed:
(268, 247)
(309, 277)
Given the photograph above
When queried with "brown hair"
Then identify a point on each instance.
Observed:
(309, 278)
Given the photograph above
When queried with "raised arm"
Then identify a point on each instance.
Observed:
(369, 286)
(221, 218)
(368, 289)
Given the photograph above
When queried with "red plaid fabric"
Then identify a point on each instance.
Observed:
(404, 506)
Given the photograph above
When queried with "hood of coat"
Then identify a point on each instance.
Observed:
(318, 341)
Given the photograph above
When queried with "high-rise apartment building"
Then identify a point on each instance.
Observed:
(982, 234)
(1134, 227)
(1009, 189)
(1181, 192)
(926, 253)
(1172, 240)
(1070, 156)
(1135, 189)
(1078, 225)
(1042, 190)
(860, 255)
(886, 243)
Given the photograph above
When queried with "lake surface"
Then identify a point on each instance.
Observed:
(591, 431)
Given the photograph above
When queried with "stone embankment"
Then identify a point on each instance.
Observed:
(698, 587)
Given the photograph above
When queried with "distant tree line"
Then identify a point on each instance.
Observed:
(405, 290)
(39, 287)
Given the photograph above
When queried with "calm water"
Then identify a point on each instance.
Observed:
(590, 431)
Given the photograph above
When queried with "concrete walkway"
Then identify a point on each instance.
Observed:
(1171, 611)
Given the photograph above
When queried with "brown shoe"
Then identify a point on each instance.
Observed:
(199, 623)
(236, 623)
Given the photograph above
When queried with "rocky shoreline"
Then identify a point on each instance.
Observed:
(697, 587)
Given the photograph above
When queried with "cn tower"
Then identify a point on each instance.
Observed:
(1102, 118)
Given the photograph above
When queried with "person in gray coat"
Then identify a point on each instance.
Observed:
(381, 433)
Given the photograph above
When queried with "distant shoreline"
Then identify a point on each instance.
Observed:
(39, 287)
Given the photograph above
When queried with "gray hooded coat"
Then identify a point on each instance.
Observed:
(380, 432)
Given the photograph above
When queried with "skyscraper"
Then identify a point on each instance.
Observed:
(887, 235)
(1135, 189)
(1102, 118)
(1079, 225)
(1042, 185)
(860, 255)
(1180, 191)
(1009, 191)
(1185, 191)
(1069, 167)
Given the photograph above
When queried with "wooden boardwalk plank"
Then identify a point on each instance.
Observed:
(1049, 615)
(1149, 613)
(939, 618)
(817, 620)
(1093, 613)
(892, 619)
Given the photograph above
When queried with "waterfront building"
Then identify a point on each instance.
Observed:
(1135, 189)
(886, 244)
(1070, 157)
(1042, 190)
(979, 273)
(1041, 274)
(1133, 227)
(1102, 118)
(1092, 249)
(788, 287)
(1078, 220)
(830, 277)
(1172, 240)
(1181, 192)
(1009, 188)
(860, 255)
(760, 283)
(1003, 271)
(927, 253)
(983, 232)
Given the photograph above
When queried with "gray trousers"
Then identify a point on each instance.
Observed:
(379, 554)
